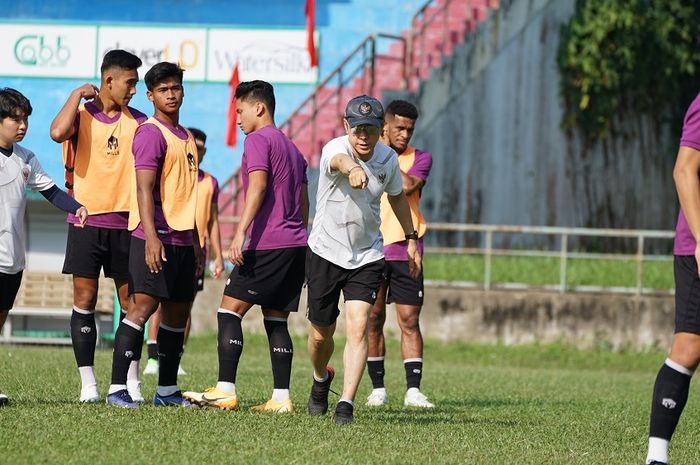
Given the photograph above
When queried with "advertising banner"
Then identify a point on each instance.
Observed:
(185, 46)
(206, 53)
(47, 50)
(268, 54)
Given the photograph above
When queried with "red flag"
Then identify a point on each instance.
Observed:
(310, 11)
(231, 127)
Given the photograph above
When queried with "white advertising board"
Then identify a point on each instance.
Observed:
(39, 50)
(206, 54)
(269, 54)
(185, 46)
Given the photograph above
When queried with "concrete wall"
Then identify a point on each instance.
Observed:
(491, 117)
(506, 317)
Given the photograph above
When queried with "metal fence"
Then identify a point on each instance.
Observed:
(563, 236)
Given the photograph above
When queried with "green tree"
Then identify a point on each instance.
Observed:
(622, 57)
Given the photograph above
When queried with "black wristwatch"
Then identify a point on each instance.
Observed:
(413, 235)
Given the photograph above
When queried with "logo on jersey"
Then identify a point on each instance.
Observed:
(112, 146)
(191, 162)
(25, 173)
(381, 176)
(365, 109)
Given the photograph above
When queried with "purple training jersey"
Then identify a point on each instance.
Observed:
(149, 152)
(115, 220)
(684, 243)
(398, 251)
(278, 224)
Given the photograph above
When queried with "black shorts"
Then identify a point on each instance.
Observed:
(199, 283)
(685, 271)
(403, 288)
(9, 285)
(326, 280)
(90, 249)
(269, 278)
(174, 283)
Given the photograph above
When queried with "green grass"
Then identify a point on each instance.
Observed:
(495, 405)
(540, 271)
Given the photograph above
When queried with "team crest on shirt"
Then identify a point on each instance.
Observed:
(191, 162)
(112, 146)
(25, 173)
(381, 176)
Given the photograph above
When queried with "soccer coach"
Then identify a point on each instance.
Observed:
(346, 250)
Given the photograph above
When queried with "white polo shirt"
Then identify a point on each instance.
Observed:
(19, 171)
(346, 224)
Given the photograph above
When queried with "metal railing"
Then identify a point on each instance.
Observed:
(564, 235)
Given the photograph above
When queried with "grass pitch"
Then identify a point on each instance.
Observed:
(495, 405)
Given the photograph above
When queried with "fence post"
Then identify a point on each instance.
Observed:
(563, 262)
(640, 262)
(487, 260)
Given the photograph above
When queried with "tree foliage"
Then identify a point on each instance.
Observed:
(622, 57)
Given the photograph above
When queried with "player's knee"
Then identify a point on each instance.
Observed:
(85, 299)
(410, 325)
(375, 322)
(318, 337)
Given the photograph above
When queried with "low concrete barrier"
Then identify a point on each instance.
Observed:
(506, 317)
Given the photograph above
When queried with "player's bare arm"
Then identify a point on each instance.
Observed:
(199, 257)
(399, 204)
(257, 187)
(349, 167)
(686, 176)
(411, 183)
(155, 252)
(62, 127)
(215, 239)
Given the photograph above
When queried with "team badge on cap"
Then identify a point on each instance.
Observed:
(365, 109)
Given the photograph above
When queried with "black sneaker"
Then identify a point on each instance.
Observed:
(343, 413)
(318, 400)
